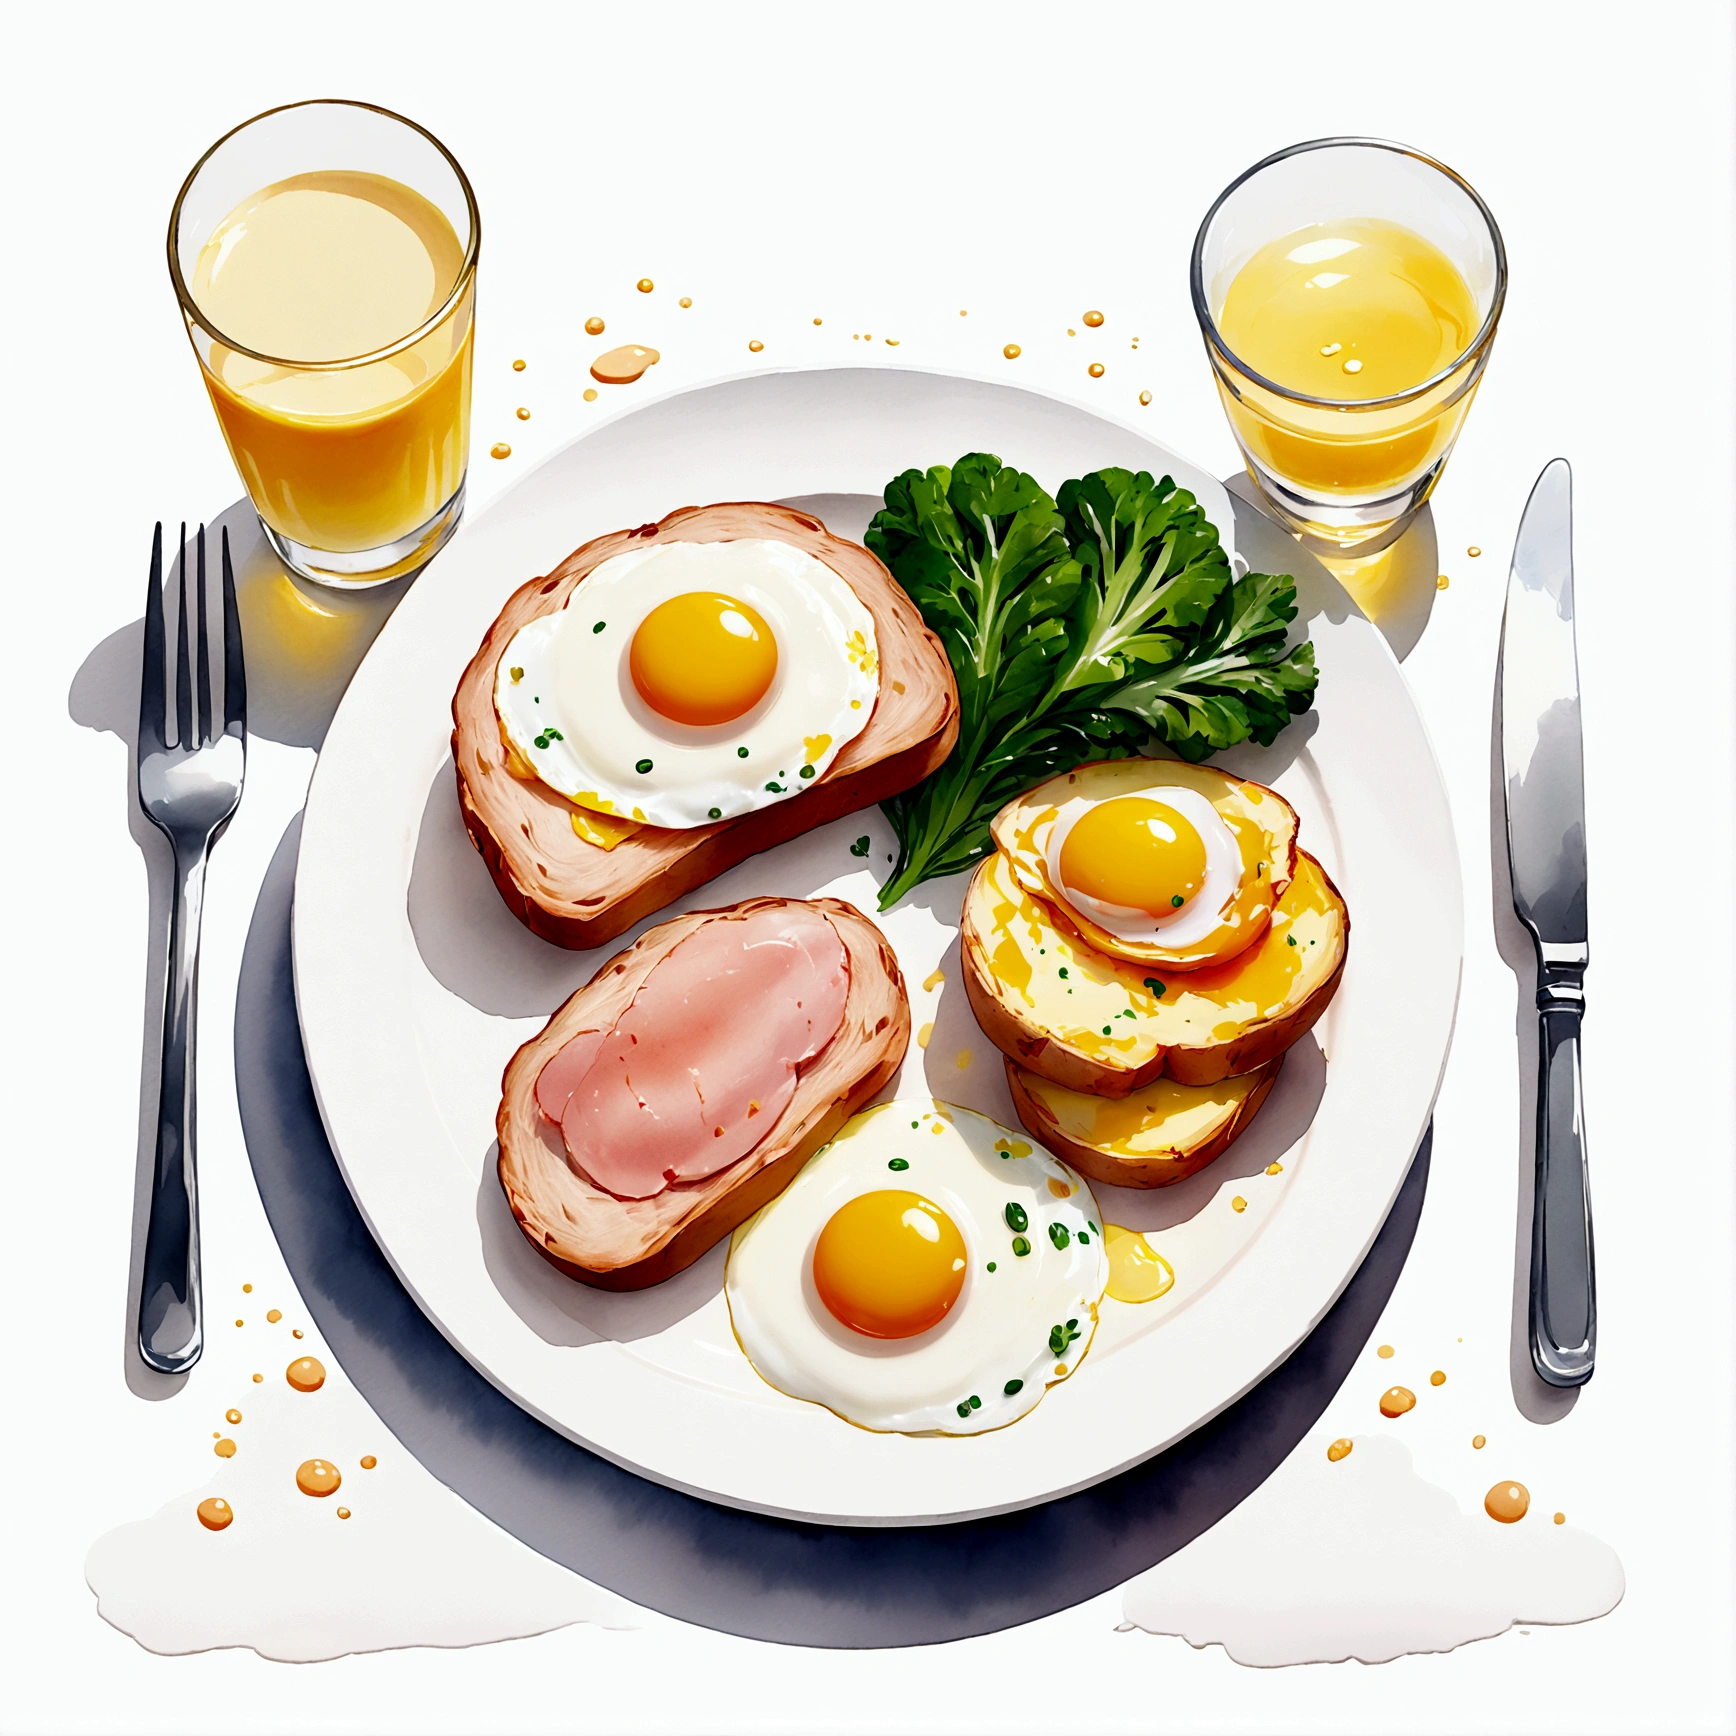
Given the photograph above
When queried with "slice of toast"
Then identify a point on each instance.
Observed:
(579, 894)
(1106, 1026)
(1154, 1137)
(622, 1244)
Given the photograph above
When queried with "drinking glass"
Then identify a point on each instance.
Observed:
(355, 464)
(1347, 476)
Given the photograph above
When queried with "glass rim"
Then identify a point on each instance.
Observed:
(466, 271)
(1485, 332)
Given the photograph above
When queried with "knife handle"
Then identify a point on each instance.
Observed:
(1563, 1272)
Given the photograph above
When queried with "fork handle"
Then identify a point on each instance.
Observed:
(1563, 1282)
(171, 1325)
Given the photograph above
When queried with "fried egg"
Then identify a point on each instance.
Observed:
(928, 1271)
(1154, 861)
(686, 682)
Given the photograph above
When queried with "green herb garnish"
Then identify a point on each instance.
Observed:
(807, 771)
(991, 1265)
(1078, 627)
(1058, 1235)
(1016, 1217)
(964, 1409)
(1061, 1336)
(642, 767)
(1175, 903)
(599, 626)
(741, 753)
(1156, 987)
(1021, 1247)
(860, 847)
(716, 813)
(1012, 1387)
(898, 1163)
(775, 787)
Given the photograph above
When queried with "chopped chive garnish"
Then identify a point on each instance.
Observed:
(1176, 902)
(1012, 1387)
(913, 1124)
(964, 1409)
(1291, 938)
(1061, 1336)
(1106, 1031)
(716, 813)
(741, 753)
(599, 626)
(991, 1265)
(541, 741)
(860, 847)
(642, 767)
(1094, 1229)
(1156, 987)
(1084, 1240)
(553, 734)
(975, 1402)
(1021, 1247)
(807, 771)
(1062, 971)
(776, 788)
(1016, 1217)
(899, 1163)
(1058, 1235)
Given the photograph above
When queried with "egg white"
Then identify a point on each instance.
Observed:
(574, 692)
(1200, 915)
(998, 1329)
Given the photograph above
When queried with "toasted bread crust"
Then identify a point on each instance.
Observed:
(1158, 1169)
(1017, 1035)
(577, 895)
(618, 1244)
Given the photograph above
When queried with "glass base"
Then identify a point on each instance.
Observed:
(1349, 529)
(362, 569)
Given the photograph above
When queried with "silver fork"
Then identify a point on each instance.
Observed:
(188, 789)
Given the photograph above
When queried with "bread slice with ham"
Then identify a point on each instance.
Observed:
(577, 894)
(684, 1086)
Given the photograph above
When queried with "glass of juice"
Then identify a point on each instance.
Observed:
(324, 255)
(1348, 291)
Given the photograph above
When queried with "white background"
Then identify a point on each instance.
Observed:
(881, 168)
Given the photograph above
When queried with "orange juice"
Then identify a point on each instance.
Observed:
(338, 267)
(1349, 311)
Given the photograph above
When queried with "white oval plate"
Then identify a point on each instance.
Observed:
(415, 986)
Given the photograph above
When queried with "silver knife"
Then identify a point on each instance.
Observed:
(1544, 769)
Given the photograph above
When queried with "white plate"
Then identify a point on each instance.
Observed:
(415, 986)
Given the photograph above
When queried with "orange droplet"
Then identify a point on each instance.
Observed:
(257, 1379)
(1507, 1502)
(1340, 1449)
(685, 301)
(755, 345)
(590, 394)
(1145, 397)
(594, 326)
(296, 1333)
(1060, 1368)
(1396, 1400)
(317, 1477)
(225, 1449)
(216, 1434)
(1479, 1442)
(246, 1289)
(1274, 1168)
(1473, 551)
(232, 1415)
(500, 449)
(893, 342)
(214, 1513)
(623, 365)
(1011, 352)
(343, 1512)
(817, 322)
(1384, 1350)
(645, 286)
(1560, 1518)
(518, 366)
(369, 1461)
(240, 1322)
(523, 414)
(963, 311)
(1094, 318)
(273, 1315)
(1095, 370)
(1238, 1204)
(1438, 1378)
(1060, 1189)
(306, 1374)
(1442, 582)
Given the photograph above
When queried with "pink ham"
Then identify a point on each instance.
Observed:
(699, 1067)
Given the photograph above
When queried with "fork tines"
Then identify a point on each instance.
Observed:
(193, 671)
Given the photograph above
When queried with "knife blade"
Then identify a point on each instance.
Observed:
(1543, 766)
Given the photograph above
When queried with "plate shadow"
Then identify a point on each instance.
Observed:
(718, 1567)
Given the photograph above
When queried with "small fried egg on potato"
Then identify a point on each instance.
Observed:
(927, 1272)
(1154, 861)
(686, 682)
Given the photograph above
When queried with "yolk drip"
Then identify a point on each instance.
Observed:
(703, 658)
(1137, 1271)
(889, 1264)
(1135, 852)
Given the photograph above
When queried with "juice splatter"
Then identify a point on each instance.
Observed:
(685, 301)
(595, 326)
(1340, 1449)
(1095, 370)
(1442, 582)
(500, 449)
(590, 394)
(1011, 352)
(1438, 1378)
(1274, 1168)
(755, 345)
(934, 979)
(232, 1415)
(306, 1374)
(1479, 1442)
(1137, 1271)
(1473, 551)
(246, 1289)
(215, 1514)
(1507, 1502)
(1396, 1400)
(624, 364)
(343, 1512)
(1145, 397)
(1384, 1351)
(1238, 1204)
(369, 1461)
(273, 1315)
(523, 414)
(645, 286)
(1094, 318)
(225, 1449)
(317, 1477)
(518, 366)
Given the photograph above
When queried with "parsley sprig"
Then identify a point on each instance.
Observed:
(1079, 627)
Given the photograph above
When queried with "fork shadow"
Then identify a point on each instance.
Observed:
(301, 650)
(738, 1572)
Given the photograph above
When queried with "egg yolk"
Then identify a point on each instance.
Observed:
(1135, 852)
(889, 1264)
(703, 658)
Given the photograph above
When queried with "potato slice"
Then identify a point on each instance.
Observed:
(1158, 1135)
(1094, 1023)
(1262, 822)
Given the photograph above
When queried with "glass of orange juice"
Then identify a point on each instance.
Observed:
(1348, 291)
(324, 255)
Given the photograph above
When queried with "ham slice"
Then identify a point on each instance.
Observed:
(699, 1067)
